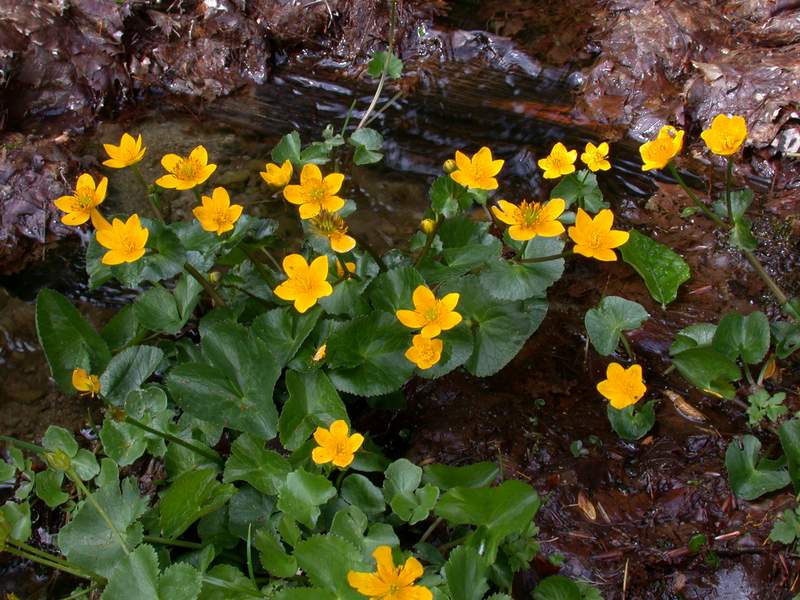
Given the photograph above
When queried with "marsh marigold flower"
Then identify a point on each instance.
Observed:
(726, 134)
(622, 387)
(315, 193)
(430, 314)
(125, 241)
(594, 238)
(657, 153)
(80, 205)
(335, 445)
(559, 162)
(85, 383)
(217, 214)
(333, 227)
(596, 157)
(186, 173)
(477, 172)
(349, 267)
(306, 284)
(425, 352)
(530, 219)
(389, 582)
(127, 153)
(277, 176)
(428, 226)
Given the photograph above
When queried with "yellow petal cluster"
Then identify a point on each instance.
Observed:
(594, 237)
(306, 284)
(657, 153)
(129, 152)
(333, 227)
(125, 241)
(559, 162)
(80, 205)
(622, 387)
(477, 172)
(335, 445)
(726, 134)
(424, 352)
(216, 213)
(430, 314)
(277, 176)
(315, 193)
(184, 173)
(596, 157)
(85, 383)
(389, 582)
(347, 267)
(530, 219)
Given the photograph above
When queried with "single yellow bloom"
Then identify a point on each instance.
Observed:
(726, 134)
(335, 445)
(594, 238)
(389, 582)
(333, 227)
(277, 176)
(424, 352)
(477, 172)
(186, 173)
(596, 157)
(306, 283)
(430, 314)
(315, 193)
(80, 205)
(320, 354)
(427, 226)
(129, 152)
(622, 387)
(125, 242)
(86, 384)
(530, 219)
(559, 162)
(340, 269)
(657, 153)
(217, 214)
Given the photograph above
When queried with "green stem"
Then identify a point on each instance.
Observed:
(383, 108)
(209, 454)
(370, 250)
(430, 530)
(79, 594)
(153, 539)
(728, 178)
(147, 194)
(225, 585)
(627, 345)
(257, 264)
(212, 293)
(49, 563)
(776, 290)
(100, 510)
(23, 445)
(384, 71)
(31, 550)
(541, 259)
(348, 116)
(428, 241)
(693, 197)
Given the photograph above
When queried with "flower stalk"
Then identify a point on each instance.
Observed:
(385, 70)
(212, 456)
(549, 257)
(147, 194)
(49, 561)
(209, 289)
(100, 510)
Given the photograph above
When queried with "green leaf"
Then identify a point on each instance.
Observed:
(347, 299)
(662, 269)
(191, 496)
(249, 510)
(786, 529)
(249, 461)
(557, 587)
(157, 310)
(88, 542)
(58, 438)
(327, 560)
(304, 594)
(632, 423)
(284, 330)
(789, 434)
(699, 334)
(376, 65)
(303, 494)
(787, 338)
(288, 148)
(708, 370)
(226, 582)
(68, 340)
(273, 555)
(138, 571)
(122, 329)
(466, 574)
(85, 464)
(128, 370)
(506, 280)
(580, 187)
(122, 442)
(606, 322)
(458, 345)
(475, 475)
(47, 485)
(361, 492)
(449, 198)
(742, 235)
(367, 143)
(746, 336)
(392, 290)
(350, 523)
(749, 475)
(18, 518)
(313, 401)
(165, 263)
(740, 202)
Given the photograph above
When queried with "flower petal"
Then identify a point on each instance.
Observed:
(411, 318)
(333, 183)
(294, 265)
(170, 162)
(368, 584)
(310, 174)
(450, 301)
(410, 572)
(321, 455)
(200, 154)
(423, 298)
(318, 270)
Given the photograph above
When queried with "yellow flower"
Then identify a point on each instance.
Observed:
(333, 227)
(306, 283)
(559, 162)
(129, 152)
(186, 173)
(389, 582)
(725, 135)
(425, 352)
(622, 387)
(477, 172)
(596, 157)
(657, 153)
(594, 238)
(320, 354)
(277, 176)
(427, 226)
(217, 214)
(430, 314)
(314, 193)
(125, 242)
(80, 205)
(340, 269)
(86, 384)
(530, 219)
(335, 445)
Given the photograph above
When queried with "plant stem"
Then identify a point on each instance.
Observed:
(153, 539)
(428, 241)
(49, 563)
(776, 290)
(23, 445)
(225, 585)
(693, 197)
(430, 530)
(389, 52)
(627, 346)
(728, 177)
(147, 194)
(540, 259)
(100, 510)
(383, 108)
(212, 293)
(209, 454)
(22, 546)
(265, 275)
(370, 250)
(348, 116)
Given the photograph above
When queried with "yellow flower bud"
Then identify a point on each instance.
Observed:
(58, 460)
(427, 226)
(214, 276)
(449, 166)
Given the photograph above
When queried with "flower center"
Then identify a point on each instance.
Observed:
(188, 169)
(222, 217)
(317, 192)
(328, 223)
(84, 196)
(128, 244)
(595, 239)
(431, 313)
(530, 213)
(427, 353)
